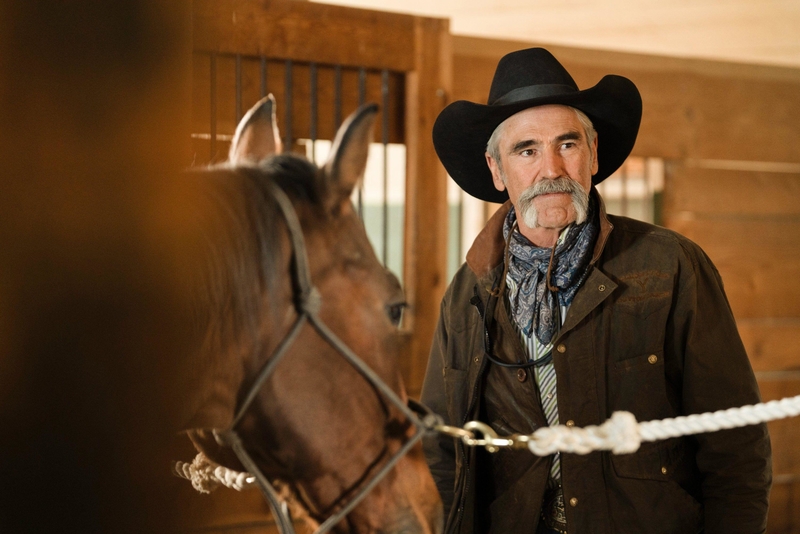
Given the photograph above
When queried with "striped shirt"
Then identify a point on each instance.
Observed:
(545, 375)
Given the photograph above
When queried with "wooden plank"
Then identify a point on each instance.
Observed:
(772, 344)
(692, 108)
(732, 239)
(784, 433)
(425, 249)
(768, 288)
(730, 192)
(784, 513)
(784, 506)
(304, 31)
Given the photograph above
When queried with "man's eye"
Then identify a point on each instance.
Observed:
(527, 152)
(395, 312)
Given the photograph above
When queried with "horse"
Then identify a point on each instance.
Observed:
(313, 422)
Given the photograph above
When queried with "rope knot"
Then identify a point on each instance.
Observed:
(622, 433)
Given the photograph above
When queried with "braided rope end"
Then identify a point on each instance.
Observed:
(207, 476)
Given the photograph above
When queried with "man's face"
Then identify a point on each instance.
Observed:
(544, 143)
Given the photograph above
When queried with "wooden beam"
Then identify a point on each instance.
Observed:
(287, 29)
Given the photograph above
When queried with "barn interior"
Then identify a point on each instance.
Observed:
(103, 105)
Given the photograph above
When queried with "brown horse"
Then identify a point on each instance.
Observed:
(315, 424)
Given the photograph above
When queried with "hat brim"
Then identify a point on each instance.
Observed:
(463, 128)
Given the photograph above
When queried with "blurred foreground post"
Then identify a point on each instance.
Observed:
(94, 107)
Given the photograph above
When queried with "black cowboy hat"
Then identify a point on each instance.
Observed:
(524, 79)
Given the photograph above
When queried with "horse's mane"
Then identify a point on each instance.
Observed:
(241, 257)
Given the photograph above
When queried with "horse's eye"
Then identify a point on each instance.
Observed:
(395, 312)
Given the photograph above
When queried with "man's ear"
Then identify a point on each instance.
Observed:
(595, 163)
(497, 174)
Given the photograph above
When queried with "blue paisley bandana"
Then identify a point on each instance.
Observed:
(532, 305)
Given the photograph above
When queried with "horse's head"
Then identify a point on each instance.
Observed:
(316, 424)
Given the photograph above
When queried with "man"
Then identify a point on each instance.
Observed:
(564, 314)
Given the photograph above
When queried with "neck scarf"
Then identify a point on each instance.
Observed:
(533, 306)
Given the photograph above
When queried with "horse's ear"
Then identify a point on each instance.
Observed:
(257, 136)
(348, 158)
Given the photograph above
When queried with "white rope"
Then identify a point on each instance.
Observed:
(206, 476)
(622, 434)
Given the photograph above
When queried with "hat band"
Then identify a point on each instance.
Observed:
(533, 91)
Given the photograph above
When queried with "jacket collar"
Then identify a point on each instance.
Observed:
(487, 251)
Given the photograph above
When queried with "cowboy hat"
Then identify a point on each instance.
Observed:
(524, 79)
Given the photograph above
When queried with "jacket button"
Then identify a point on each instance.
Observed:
(663, 470)
(573, 502)
(652, 358)
(561, 348)
(522, 375)
(477, 359)
(570, 423)
(601, 288)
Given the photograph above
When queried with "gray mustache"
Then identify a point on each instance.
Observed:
(580, 199)
(558, 185)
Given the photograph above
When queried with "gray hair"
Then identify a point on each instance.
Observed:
(493, 145)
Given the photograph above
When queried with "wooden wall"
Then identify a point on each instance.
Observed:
(729, 134)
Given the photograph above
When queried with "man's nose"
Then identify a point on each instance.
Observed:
(552, 165)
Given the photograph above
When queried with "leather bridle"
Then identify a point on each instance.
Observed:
(307, 301)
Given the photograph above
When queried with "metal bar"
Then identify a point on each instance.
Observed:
(314, 110)
(287, 144)
(362, 85)
(337, 96)
(385, 141)
(238, 88)
(362, 97)
(213, 98)
(263, 76)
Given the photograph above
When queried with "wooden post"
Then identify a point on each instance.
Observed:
(428, 87)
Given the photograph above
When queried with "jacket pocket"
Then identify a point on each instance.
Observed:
(638, 385)
(650, 478)
(653, 461)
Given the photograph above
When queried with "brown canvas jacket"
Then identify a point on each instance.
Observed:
(649, 332)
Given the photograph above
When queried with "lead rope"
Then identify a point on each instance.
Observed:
(621, 434)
